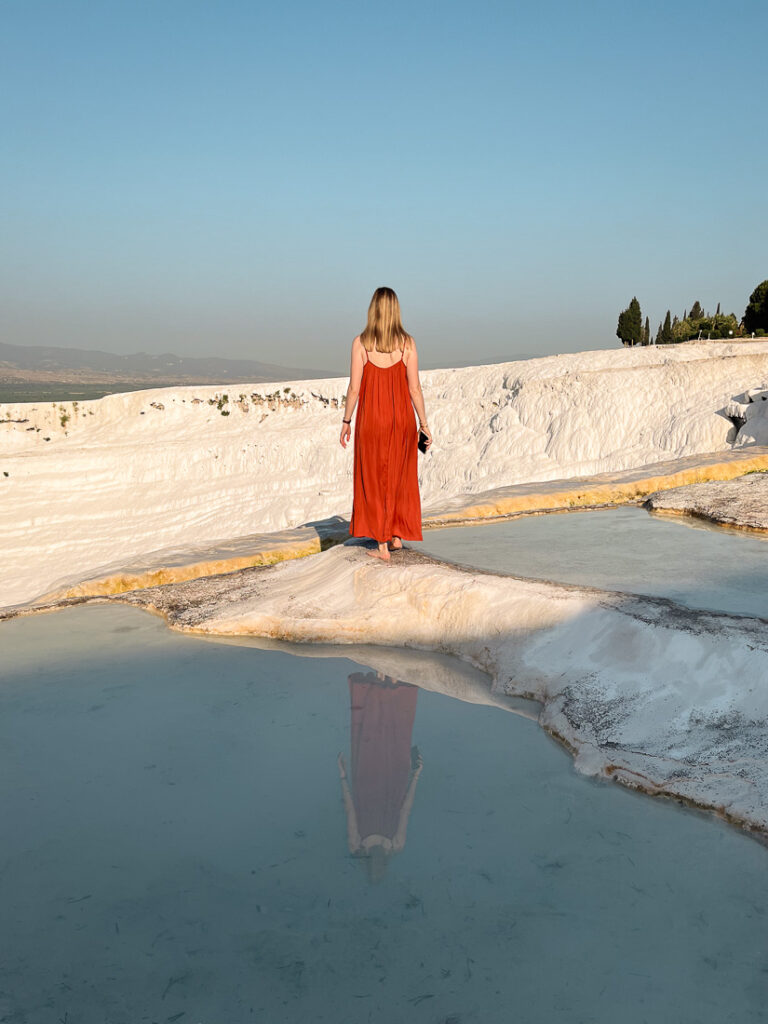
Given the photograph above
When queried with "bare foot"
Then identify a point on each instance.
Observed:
(382, 552)
(395, 544)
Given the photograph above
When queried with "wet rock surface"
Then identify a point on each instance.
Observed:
(742, 502)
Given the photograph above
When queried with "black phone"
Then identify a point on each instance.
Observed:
(423, 441)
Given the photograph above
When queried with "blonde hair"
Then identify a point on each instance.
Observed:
(384, 331)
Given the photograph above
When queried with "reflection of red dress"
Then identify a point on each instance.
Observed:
(386, 491)
(382, 723)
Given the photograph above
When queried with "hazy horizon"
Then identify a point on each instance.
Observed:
(236, 180)
(336, 357)
(6, 359)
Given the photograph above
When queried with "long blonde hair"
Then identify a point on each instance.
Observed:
(384, 331)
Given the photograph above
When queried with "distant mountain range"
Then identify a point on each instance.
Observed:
(48, 362)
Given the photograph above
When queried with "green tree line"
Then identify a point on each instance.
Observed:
(696, 323)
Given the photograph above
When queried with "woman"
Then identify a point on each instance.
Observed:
(384, 376)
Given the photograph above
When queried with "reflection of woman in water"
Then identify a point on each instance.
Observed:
(384, 768)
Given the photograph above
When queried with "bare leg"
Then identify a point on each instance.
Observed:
(382, 552)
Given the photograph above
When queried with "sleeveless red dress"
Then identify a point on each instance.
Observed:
(386, 500)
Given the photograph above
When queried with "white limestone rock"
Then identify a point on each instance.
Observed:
(87, 485)
(755, 414)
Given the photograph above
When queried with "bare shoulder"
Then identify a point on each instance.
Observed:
(359, 355)
(409, 348)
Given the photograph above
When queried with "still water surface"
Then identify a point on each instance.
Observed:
(178, 845)
(623, 549)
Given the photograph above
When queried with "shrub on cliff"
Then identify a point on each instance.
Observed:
(721, 325)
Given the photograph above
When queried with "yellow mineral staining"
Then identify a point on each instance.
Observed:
(616, 489)
(590, 494)
(121, 582)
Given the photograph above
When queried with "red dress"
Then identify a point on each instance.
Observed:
(386, 490)
(381, 727)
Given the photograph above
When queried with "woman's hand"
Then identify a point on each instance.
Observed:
(346, 433)
(425, 430)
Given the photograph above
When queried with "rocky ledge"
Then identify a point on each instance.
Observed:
(740, 503)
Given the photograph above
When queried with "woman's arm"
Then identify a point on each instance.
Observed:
(398, 841)
(414, 386)
(353, 836)
(355, 376)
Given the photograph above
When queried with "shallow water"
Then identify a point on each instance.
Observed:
(623, 549)
(175, 848)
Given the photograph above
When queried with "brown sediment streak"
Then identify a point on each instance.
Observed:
(596, 495)
(636, 780)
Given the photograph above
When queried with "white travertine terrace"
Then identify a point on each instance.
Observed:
(89, 487)
(659, 696)
(752, 407)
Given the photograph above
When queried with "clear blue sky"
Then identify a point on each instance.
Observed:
(235, 178)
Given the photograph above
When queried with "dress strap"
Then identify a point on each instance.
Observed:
(367, 360)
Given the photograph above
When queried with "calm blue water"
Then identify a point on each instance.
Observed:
(623, 549)
(175, 847)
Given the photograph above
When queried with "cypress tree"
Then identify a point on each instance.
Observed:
(696, 311)
(647, 332)
(630, 326)
(658, 340)
(635, 322)
(666, 331)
